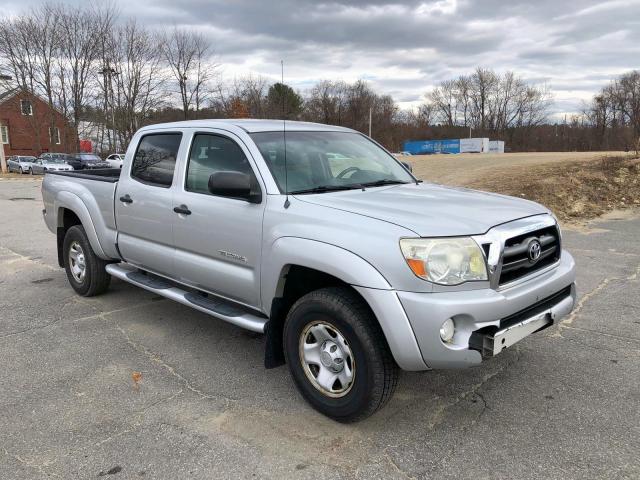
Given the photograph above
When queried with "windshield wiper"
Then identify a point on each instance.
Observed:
(385, 181)
(326, 188)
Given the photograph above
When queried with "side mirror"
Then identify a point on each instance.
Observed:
(407, 165)
(234, 185)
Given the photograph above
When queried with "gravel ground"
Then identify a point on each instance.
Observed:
(129, 385)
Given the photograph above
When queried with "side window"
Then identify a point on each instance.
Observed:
(25, 107)
(155, 159)
(210, 154)
(4, 134)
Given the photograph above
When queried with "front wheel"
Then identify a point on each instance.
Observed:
(338, 356)
(85, 270)
(30, 171)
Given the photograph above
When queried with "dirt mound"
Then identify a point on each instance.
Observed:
(574, 190)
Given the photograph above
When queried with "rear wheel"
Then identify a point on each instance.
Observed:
(338, 356)
(85, 270)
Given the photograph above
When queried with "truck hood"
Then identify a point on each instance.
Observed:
(430, 209)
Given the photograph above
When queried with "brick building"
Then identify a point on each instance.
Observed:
(28, 126)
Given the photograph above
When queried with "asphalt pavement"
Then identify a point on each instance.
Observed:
(130, 385)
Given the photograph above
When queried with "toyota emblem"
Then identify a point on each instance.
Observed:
(535, 249)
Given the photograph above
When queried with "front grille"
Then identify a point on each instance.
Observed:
(516, 261)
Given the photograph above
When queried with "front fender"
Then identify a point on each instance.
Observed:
(324, 257)
(351, 269)
(76, 205)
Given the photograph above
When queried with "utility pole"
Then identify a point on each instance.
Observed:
(370, 109)
(108, 73)
(469, 131)
(3, 160)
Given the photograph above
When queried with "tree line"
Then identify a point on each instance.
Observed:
(116, 75)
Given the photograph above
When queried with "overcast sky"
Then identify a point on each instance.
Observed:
(404, 48)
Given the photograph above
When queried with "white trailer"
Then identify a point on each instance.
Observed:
(496, 146)
(474, 145)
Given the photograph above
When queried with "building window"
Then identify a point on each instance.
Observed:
(25, 107)
(4, 135)
(54, 135)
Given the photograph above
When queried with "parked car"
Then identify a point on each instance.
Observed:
(42, 165)
(20, 163)
(351, 267)
(86, 161)
(53, 156)
(115, 160)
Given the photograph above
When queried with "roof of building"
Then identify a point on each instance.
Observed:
(7, 93)
(251, 125)
(11, 92)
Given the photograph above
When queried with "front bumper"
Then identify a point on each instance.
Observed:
(481, 316)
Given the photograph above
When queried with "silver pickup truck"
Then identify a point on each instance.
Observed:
(319, 238)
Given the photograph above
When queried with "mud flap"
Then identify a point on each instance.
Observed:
(273, 329)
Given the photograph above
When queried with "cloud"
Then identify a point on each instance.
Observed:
(405, 48)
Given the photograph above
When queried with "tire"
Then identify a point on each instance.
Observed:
(94, 279)
(342, 314)
(21, 171)
(30, 171)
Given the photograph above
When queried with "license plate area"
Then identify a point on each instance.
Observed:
(494, 343)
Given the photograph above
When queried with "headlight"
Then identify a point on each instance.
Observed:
(446, 261)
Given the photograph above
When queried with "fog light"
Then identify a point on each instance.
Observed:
(447, 330)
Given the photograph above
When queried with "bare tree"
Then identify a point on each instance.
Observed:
(326, 102)
(489, 102)
(614, 113)
(84, 31)
(443, 100)
(131, 80)
(243, 97)
(188, 56)
(45, 35)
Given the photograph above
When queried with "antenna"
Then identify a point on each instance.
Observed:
(284, 138)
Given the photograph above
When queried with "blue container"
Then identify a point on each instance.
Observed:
(427, 147)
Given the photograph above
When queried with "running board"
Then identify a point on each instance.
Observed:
(219, 308)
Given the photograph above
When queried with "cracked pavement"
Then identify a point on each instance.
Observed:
(129, 385)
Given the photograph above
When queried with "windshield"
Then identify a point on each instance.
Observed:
(54, 160)
(85, 157)
(26, 159)
(325, 161)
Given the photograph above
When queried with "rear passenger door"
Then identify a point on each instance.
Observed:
(143, 204)
(218, 242)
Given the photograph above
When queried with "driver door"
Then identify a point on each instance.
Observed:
(218, 243)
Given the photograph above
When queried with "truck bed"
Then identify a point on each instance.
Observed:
(111, 175)
(90, 195)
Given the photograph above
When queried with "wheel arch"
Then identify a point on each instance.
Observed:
(72, 211)
(296, 266)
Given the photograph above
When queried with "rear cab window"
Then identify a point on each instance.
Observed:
(154, 162)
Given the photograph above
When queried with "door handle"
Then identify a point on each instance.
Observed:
(126, 199)
(182, 209)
